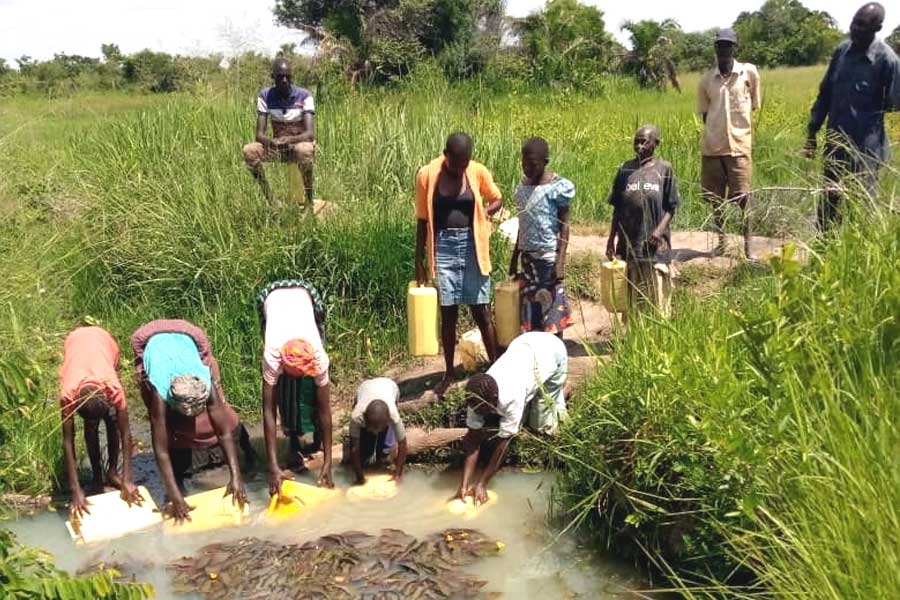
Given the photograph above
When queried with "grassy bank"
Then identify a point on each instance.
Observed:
(129, 208)
(750, 444)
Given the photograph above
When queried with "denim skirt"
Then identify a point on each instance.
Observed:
(459, 281)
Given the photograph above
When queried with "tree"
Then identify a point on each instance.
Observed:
(26, 64)
(784, 32)
(5, 69)
(893, 40)
(152, 71)
(287, 50)
(384, 39)
(111, 53)
(693, 50)
(565, 42)
(650, 59)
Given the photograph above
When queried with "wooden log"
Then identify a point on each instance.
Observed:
(418, 440)
(425, 400)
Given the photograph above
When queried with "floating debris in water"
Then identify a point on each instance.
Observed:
(350, 565)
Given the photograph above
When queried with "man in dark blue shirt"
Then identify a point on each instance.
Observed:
(861, 84)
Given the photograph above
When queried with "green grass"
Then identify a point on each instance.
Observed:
(750, 445)
(129, 208)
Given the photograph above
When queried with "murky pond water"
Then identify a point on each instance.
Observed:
(535, 562)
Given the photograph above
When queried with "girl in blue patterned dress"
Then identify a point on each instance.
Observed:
(543, 200)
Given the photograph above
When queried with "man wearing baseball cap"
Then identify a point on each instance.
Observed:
(726, 98)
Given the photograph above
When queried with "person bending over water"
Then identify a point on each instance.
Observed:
(293, 321)
(376, 427)
(525, 386)
(181, 386)
(90, 386)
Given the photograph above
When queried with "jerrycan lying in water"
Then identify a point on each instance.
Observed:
(212, 510)
(613, 286)
(296, 497)
(111, 517)
(422, 316)
(507, 311)
(471, 350)
(377, 487)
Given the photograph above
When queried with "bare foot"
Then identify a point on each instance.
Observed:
(443, 385)
(296, 462)
(113, 479)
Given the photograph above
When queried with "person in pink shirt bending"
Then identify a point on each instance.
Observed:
(90, 387)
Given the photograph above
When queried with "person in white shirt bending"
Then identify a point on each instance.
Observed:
(524, 386)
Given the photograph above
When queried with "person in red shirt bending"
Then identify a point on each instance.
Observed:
(90, 387)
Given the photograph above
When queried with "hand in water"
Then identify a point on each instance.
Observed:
(238, 492)
(397, 477)
(480, 494)
(179, 510)
(359, 480)
(130, 493)
(78, 506)
(276, 476)
(462, 493)
(325, 477)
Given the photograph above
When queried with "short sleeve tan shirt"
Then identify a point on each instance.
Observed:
(728, 104)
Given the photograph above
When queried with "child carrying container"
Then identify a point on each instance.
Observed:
(644, 198)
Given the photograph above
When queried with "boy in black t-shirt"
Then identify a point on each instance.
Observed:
(644, 198)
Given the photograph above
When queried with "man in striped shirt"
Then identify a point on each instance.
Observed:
(292, 112)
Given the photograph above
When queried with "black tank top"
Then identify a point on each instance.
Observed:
(454, 212)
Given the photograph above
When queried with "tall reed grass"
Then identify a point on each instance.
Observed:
(749, 446)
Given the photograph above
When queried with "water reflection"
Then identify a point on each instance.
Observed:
(534, 561)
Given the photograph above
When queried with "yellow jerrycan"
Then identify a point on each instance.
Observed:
(422, 316)
(664, 287)
(507, 311)
(471, 350)
(613, 286)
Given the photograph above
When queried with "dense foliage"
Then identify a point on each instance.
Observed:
(784, 32)
(566, 43)
(383, 40)
(894, 39)
(29, 574)
(750, 443)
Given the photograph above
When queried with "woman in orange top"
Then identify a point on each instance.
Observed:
(451, 192)
(90, 386)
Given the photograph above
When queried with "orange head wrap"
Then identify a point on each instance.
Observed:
(299, 359)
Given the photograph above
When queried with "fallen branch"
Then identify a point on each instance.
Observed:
(418, 440)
